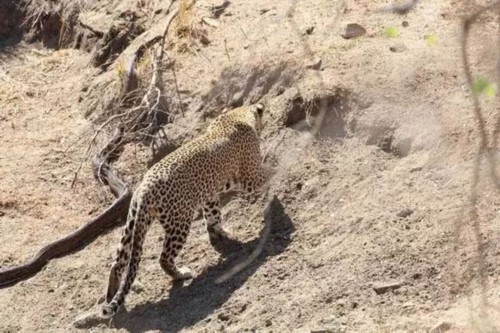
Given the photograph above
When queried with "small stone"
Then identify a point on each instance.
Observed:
(268, 322)
(263, 11)
(405, 213)
(219, 7)
(353, 30)
(223, 316)
(137, 287)
(315, 64)
(210, 22)
(416, 169)
(405, 24)
(441, 327)
(398, 48)
(101, 299)
(309, 30)
(382, 288)
(407, 305)
(204, 39)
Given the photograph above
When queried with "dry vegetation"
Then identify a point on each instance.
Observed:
(386, 208)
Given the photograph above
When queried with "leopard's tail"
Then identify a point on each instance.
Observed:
(128, 259)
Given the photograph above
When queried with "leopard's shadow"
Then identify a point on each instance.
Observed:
(185, 306)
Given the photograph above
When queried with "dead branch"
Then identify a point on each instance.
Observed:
(103, 172)
(88, 232)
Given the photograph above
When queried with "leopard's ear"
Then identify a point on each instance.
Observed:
(260, 109)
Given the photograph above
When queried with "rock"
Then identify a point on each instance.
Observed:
(398, 48)
(405, 213)
(415, 169)
(137, 287)
(219, 8)
(314, 64)
(441, 327)
(405, 24)
(309, 30)
(353, 30)
(223, 316)
(383, 287)
(210, 21)
(204, 39)
(101, 299)
(385, 142)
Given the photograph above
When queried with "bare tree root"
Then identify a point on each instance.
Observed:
(129, 124)
(88, 232)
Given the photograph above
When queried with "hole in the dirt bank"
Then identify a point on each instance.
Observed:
(303, 113)
(59, 24)
(11, 19)
(53, 23)
(384, 137)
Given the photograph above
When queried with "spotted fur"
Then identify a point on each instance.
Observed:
(226, 158)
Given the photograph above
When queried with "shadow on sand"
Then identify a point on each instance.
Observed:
(185, 306)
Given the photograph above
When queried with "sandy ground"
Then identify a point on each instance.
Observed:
(372, 232)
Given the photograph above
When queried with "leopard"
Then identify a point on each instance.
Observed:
(226, 158)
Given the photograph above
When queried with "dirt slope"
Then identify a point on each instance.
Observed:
(372, 232)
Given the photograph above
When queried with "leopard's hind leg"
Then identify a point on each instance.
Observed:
(176, 232)
(212, 211)
(213, 217)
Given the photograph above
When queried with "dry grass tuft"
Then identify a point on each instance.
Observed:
(187, 30)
